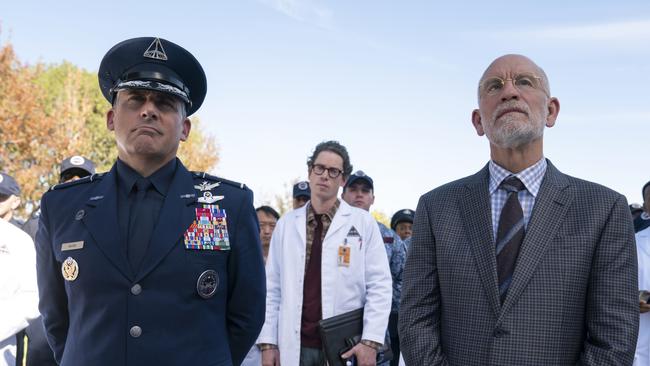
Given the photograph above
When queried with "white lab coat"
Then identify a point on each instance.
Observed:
(642, 355)
(18, 290)
(253, 358)
(366, 282)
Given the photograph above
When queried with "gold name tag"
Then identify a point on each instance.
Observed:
(72, 245)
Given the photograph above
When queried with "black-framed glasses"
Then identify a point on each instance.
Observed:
(331, 172)
(523, 83)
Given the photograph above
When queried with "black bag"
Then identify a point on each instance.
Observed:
(342, 332)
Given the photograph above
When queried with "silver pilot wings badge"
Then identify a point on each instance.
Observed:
(205, 186)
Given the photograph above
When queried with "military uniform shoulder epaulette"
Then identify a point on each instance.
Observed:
(87, 179)
(203, 175)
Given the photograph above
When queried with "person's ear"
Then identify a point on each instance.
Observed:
(477, 122)
(553, 110)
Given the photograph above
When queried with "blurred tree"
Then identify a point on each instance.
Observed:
(283, 202)
(381, 217)
(73, 98)
(50, 112)
(29, 133)
(200, 152)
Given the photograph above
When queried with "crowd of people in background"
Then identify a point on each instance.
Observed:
(23, 334)
(150, 263)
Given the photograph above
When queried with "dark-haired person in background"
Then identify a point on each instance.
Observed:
(267, 218)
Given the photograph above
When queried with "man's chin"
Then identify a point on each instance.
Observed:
(514, 142)
(145, 149)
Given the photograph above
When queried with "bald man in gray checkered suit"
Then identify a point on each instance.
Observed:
(519, 264)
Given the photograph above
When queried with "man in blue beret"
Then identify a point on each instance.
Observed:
(150, 264)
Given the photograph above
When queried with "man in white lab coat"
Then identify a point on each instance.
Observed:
(642, 354)
(18, 291)
(326, 258)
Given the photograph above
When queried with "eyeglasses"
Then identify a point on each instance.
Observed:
(523, 82)
(331, 172)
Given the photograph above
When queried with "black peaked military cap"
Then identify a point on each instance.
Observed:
(404, 215)
(153, 64)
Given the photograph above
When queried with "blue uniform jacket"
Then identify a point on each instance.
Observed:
(91, 320)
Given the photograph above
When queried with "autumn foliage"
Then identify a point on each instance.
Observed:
(51, 112)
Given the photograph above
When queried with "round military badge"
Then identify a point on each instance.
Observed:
(206, 285)
(77, 160)
(207, 194)
(70, 269)
(303, 186)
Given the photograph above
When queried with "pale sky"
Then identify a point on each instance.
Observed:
(394, 81)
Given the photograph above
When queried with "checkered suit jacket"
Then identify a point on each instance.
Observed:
(573, 299)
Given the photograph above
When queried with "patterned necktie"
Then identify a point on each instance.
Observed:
(141, 224)
(510, 234)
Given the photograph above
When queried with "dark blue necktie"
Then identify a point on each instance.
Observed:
(510, 234)
(141, 224)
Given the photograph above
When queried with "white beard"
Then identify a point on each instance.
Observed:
(511, 131)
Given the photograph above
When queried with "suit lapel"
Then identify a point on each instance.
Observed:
(476, 213)
(100, 220)
(551, 205)
(176, 215)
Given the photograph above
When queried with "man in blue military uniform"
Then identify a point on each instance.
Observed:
(150, 264)
(359, 191)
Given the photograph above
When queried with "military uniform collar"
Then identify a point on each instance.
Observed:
(161, 179)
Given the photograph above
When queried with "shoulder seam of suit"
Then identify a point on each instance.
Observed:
(204, 175)
(87, 179)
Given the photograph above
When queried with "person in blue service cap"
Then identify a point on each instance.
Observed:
(75, 167)
(149, 263)
(301, 194)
